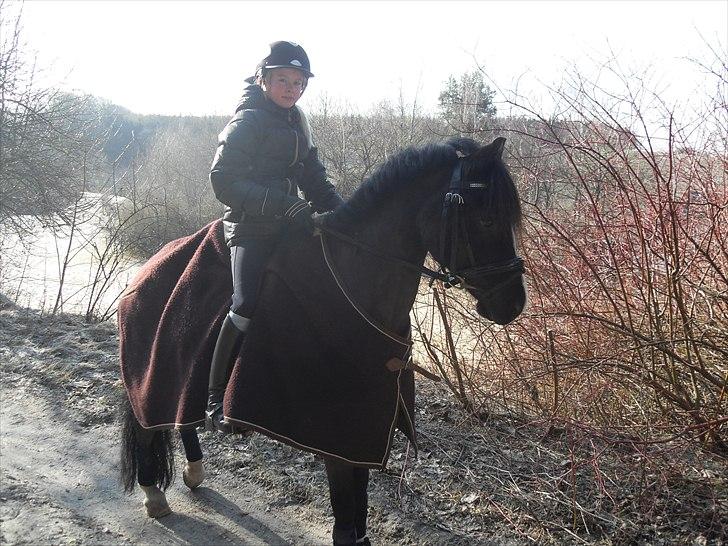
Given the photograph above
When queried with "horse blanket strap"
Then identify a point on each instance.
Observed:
(395, 364)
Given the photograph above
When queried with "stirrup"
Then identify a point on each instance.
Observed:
(214, 419)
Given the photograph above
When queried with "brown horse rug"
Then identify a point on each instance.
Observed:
(169, 318)
(313, 368)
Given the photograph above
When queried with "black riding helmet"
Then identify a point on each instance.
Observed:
(285, 54)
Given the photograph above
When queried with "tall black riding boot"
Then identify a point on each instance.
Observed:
(227, 346)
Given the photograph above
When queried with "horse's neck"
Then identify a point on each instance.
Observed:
(383, 289)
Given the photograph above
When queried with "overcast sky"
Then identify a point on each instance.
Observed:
(190, 57)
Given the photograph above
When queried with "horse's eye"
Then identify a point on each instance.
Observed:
(486, 221)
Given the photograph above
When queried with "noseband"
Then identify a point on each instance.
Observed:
(452, 228)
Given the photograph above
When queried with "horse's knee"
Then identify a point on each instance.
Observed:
(155, 502)
(193, 474)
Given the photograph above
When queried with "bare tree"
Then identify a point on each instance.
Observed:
(40, 135)
(352, 144)
(172, 181)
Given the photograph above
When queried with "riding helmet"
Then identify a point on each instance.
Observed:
(285, 54)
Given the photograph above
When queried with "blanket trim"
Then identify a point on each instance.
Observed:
(173, 426)
(162, 426)
(382, 465)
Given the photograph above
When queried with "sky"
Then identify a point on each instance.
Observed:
(190, 57)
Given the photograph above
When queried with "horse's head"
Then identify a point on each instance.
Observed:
(469, 227)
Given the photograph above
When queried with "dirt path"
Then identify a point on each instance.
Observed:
(51, 494)
(59, 453)
(59, 386)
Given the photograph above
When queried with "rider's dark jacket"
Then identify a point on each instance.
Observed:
(263, 157)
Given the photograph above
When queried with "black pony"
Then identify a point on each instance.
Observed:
(339, 381)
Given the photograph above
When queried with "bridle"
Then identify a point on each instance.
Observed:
(452, 228)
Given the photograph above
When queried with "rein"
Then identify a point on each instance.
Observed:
(421, 269)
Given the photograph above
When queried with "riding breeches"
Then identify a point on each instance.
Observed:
(248, 261)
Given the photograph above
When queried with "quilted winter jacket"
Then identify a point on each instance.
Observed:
(263, 157)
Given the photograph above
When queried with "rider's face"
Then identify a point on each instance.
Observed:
(284, 86)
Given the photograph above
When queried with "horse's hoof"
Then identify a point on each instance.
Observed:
(155, 502)
(193, 474)
(346, 536)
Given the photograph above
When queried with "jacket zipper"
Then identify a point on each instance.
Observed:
(262, 207)
(295, 151)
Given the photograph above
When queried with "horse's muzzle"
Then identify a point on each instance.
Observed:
(503, 305)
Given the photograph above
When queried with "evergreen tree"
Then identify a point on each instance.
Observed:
(466, 104)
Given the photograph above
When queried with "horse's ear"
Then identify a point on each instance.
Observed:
(498, 144)
(494, 150)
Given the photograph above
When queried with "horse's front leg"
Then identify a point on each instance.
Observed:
(348, 494)
(193, 474)
(361, 484)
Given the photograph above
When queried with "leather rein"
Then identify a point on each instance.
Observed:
(452, 228)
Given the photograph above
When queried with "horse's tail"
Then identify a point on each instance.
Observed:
(158, 457)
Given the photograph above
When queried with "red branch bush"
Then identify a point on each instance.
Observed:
(626, 243)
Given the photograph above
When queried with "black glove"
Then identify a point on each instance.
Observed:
(299, 213)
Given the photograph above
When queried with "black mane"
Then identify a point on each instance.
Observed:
(499, 200)
(398, 171)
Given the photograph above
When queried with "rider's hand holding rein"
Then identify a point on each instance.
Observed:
(300, 214)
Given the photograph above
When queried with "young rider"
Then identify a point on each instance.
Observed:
(265, 154)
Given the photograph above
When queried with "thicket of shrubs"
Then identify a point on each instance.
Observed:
(625, 239)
